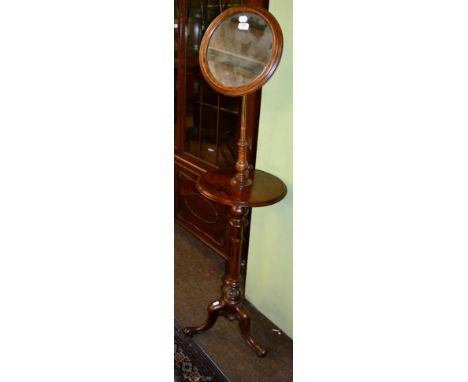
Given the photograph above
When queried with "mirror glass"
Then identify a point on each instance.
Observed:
(239, 49)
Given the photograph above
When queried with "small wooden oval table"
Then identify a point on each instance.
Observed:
(263, 190)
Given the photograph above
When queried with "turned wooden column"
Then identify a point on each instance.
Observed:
(232, 292)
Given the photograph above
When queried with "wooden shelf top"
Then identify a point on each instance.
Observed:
(265, 190)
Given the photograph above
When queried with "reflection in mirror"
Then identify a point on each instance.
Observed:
(239, 49)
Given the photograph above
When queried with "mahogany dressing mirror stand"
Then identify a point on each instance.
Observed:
(239, 53)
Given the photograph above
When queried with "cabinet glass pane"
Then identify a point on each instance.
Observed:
(211, 119)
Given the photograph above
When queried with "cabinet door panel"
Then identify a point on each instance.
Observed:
(200, 215)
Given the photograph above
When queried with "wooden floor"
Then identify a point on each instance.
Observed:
(197, 277)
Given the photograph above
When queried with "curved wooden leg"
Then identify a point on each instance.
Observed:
(230, 302)
(244, 325)
(214, 309)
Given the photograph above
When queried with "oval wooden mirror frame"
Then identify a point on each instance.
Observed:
(268, 70)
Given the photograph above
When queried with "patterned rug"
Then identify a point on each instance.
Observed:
(191, 363)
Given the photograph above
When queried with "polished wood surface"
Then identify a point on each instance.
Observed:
(264, 76)
(198, 214)
(263, 189)
(266, 189)
(241, 179)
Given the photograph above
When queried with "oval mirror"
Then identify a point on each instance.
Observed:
(240, 50)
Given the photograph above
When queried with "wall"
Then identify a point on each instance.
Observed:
(269, 283)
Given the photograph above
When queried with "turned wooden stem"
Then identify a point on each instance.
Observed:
(232, 291)
(241, 179)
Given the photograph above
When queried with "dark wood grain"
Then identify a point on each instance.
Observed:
(270, 67)
(266, 189)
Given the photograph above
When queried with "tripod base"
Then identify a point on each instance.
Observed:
(234, 311)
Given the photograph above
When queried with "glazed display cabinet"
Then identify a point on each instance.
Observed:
(206, 126)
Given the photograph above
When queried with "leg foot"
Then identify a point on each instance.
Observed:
(214, 309)
(244, 325)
